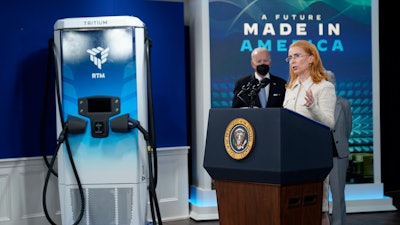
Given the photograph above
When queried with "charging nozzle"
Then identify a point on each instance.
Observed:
(120, 124)
(124, 124)
(76, 125)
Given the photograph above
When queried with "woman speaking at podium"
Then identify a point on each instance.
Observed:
(310, 94)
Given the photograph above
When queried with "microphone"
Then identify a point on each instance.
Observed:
(247, 87)
(263, 83)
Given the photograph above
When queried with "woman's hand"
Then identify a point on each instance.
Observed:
(309, 98)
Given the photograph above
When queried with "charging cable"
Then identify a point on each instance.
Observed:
(74, 125)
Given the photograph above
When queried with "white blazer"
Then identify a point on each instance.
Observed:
(323, 108)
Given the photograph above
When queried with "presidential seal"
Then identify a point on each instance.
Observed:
(239, 138)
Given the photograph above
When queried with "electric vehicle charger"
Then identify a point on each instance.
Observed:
(78, 190)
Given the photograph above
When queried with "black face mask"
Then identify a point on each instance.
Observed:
(262, 69)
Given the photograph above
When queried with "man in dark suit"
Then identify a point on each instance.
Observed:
(337, 176)
(260, 89)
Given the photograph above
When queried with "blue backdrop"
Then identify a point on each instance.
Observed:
(27, 93)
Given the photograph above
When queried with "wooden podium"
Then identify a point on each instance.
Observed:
(276, 176)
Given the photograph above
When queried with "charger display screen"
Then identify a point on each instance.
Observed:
(99, 105)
